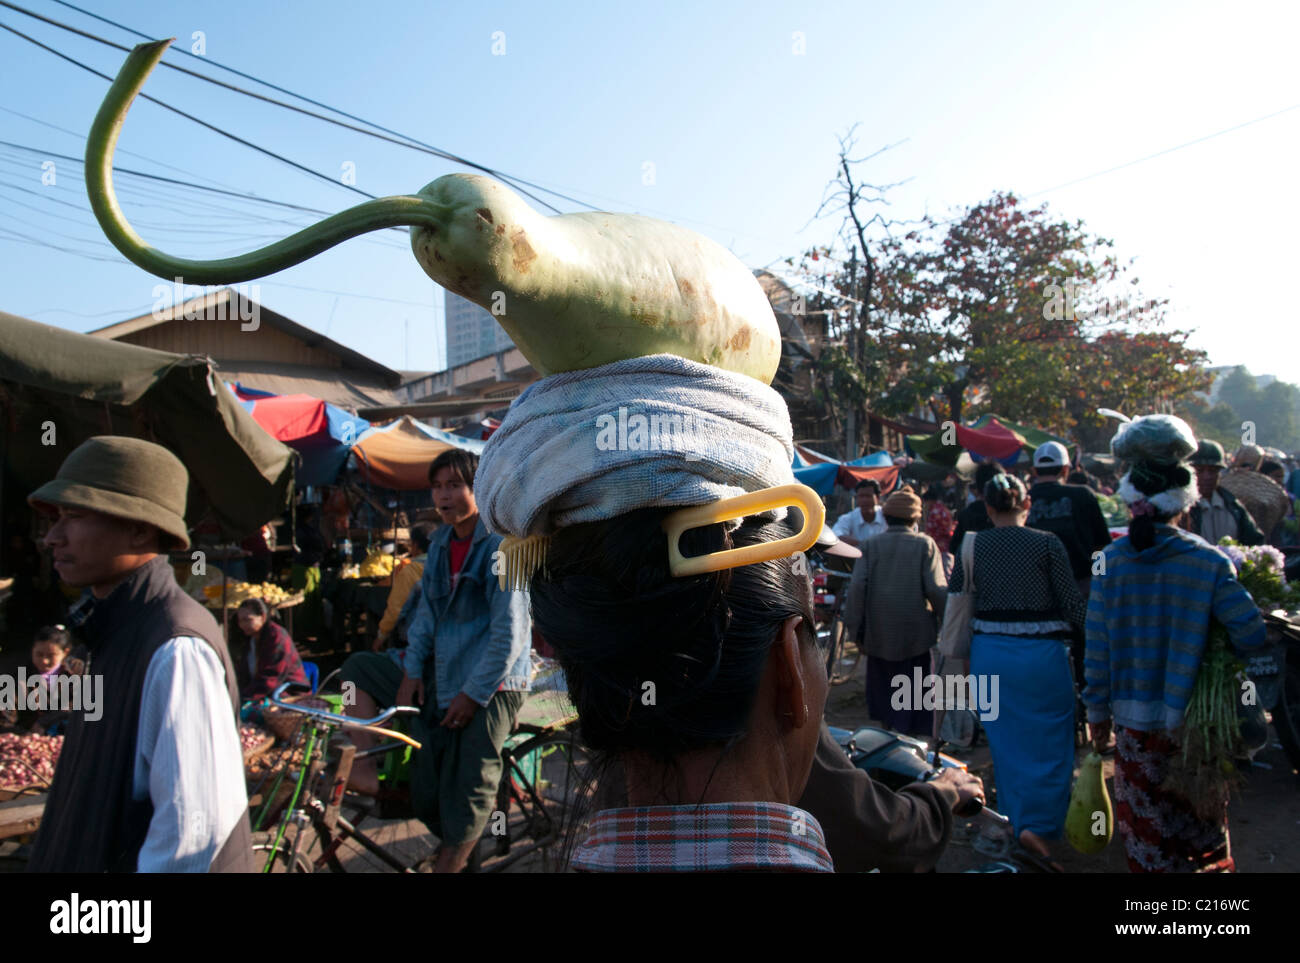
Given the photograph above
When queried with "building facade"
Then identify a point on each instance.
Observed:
(472, 332)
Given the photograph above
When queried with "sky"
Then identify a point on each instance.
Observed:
(734, 108)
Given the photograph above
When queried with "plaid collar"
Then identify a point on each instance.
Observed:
(714, 837)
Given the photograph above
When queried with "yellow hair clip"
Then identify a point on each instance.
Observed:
(519, 558)
(750, 503)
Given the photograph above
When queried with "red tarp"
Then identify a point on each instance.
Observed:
(850, 475)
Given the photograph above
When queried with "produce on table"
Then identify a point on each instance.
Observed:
(377, 565)
(574, 291)
(252, 737)
(1090, 809)
(27, 760)
(237, 592)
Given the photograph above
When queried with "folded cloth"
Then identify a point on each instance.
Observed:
(657, 431)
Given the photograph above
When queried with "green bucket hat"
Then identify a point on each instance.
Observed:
(124, 477)
(1209, 453)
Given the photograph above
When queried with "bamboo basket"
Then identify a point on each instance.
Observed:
(1264, 498)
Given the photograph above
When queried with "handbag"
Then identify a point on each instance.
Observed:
(954, 635)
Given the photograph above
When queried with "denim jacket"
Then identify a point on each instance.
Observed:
(479, 636)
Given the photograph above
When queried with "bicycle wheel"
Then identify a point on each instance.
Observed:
(264, 845)
(546, 789)
(840, 665)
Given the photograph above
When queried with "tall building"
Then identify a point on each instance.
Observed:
(472, 332)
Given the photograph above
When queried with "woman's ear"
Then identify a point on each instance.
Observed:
(791, 696)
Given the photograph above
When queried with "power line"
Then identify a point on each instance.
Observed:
(405, 142)
(1167, 150)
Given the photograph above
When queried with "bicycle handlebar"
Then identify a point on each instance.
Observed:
(335, 717)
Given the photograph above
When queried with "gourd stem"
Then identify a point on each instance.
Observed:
(407, 210)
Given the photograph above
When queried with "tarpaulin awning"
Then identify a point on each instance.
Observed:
(321, 432)
(398, 455)
(988, 437)
(849, 475)
(820, 478)
(67, 387)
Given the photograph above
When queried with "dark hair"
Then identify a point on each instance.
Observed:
(868, 483)
(985, 473)
(896, 522)
(256, 606)
(53, 633)
(1079, 478)
(1267, 466)
(420, 537)
(1005, 493)
(1151, 478)
(933, 493)
(463, 463)
(617, 620)
(1050, 471)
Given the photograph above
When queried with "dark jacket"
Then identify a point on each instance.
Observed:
(1248, 532)
(973, 518)
(91, 823)
(1072, 515)
(869, 827)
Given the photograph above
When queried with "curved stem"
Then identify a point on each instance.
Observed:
(402, 211)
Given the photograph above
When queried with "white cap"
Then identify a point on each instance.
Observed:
(1051, 454)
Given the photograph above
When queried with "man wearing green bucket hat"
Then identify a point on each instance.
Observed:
(152, 780)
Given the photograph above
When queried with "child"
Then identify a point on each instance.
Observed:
(50, 653)
(50, 658)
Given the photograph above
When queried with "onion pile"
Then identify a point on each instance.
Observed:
(251, 737)
(27, 760)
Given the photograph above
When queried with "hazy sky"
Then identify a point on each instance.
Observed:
(739, 125)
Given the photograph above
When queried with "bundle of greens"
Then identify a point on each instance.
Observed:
(1206, 772)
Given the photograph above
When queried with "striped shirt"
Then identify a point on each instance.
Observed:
(713, 837)
(1149, 615)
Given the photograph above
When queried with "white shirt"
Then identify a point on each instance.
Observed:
(188, 759)
(852, 525)
(1216, 520)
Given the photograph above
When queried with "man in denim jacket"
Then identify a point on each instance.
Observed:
(466, 665)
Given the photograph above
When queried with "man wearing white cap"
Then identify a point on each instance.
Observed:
(1069, 513)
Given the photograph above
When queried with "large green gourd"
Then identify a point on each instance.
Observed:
(574, 291)
(1088, 799)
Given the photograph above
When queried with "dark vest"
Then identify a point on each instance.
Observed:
(91, 822)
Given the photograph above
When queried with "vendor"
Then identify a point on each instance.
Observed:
(272, 659)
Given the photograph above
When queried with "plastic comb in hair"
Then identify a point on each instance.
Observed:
(519, 559)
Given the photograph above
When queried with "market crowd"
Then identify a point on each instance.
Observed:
(1059, 611)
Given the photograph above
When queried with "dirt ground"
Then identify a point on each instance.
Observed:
(1263, 819)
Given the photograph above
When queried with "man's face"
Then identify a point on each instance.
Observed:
(1207, 479)
(452, 497)
(867, 502)
(94, 549)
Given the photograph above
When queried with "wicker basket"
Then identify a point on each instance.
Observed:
(284, 722)
(1264, 498)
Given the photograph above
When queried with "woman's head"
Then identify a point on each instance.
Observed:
(252, 615)
(50, 647)
(1005, 497)
(984, 474)
(665, 669)
(1157, 493)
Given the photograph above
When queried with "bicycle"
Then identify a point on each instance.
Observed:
(829, 587)
(544, 778)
